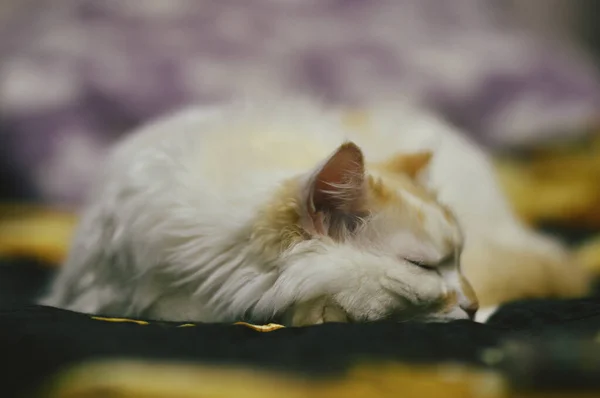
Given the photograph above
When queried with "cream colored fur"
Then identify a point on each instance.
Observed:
(217, 215)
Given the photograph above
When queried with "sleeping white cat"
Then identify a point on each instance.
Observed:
(287, 209)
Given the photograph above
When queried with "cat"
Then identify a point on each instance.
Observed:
(296, 211)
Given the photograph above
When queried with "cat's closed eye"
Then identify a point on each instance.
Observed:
(431, 265)
(422, 264)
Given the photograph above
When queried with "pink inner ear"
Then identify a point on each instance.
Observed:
(338, 185)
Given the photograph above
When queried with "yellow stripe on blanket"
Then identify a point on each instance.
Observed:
(154, 379)
(588, 255)
(35, 232)
(119, 320)
(259, 328)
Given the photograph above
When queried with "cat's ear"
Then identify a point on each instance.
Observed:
(410, 164)
(335, 191)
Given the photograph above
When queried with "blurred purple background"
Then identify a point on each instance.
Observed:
(76, 74)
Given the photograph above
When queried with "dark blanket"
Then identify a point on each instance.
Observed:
(544, 344)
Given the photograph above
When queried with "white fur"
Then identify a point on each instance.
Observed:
(166, 232)
(484, 314)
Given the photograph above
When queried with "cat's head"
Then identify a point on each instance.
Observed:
(380, 211)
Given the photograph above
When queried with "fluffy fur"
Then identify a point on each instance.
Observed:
(285, 209)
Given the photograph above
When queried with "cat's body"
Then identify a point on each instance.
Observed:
(251, 211)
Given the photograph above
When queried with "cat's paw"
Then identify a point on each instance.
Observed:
(393, 294)
(373, 299)
(364, 287)
(315, 312)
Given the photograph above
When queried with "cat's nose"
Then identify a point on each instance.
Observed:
(470, 309)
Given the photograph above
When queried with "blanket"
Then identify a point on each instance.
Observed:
(528, 346)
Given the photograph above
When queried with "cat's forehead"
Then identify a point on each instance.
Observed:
(414, 217)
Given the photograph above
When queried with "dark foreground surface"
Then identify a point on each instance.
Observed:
(546, 344)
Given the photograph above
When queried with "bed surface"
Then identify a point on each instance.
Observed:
(558, 342)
